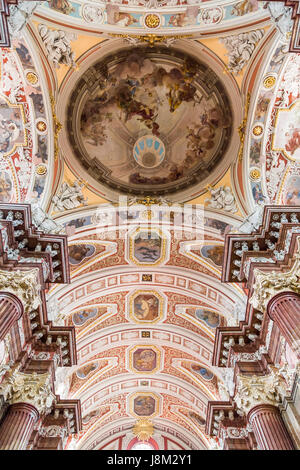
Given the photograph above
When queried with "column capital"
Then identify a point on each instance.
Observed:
(259, 389)
(24, 285)
(34, 389)
(269, 284)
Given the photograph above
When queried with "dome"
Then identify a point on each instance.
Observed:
(155, 121)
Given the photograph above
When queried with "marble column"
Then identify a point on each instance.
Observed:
(11, 309)
(284, 310)
(17, 426)
(269, 428)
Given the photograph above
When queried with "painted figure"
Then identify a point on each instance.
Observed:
(146, 307)
(144, 360)
(86, 370)
(213, 252)
(144, 405)
(77, 253)
(147, 247)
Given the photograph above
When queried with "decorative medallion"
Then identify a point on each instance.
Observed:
(41, 169)
(255, 174)
(32, 77)
(257, 130)
(92, 13)
(147, 215)
(152, 20)
(269, 81)
(144, 358)
(41, 126)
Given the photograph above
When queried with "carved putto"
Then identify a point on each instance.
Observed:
(19, 15)
(57, 43)
(240, 48)
(69, 197)
(222, 198)
(43, 221)
(281, 16)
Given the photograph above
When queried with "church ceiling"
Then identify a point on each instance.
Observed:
(123, 113)
(25, 142)
(145, 323)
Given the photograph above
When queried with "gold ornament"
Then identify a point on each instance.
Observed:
(255, 174)
(32, 78)
(150, 39)
(147, 214)
(41, 126)
(152, 21)
(56, 125)
(269, 81)
(41, 170)
(143, 429)
(242, 127)
(257, 130)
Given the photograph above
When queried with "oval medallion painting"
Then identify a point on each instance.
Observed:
(156, 121)
(205, 373)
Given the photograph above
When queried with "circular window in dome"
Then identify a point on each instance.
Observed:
(149, 151)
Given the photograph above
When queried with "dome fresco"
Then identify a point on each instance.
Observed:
(142, 139)
(156, 120)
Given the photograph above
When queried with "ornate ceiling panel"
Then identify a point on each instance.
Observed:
(273, 171)
(154, 16)
(145, 324)
(25, 150)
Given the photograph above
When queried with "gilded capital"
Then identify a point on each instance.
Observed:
(24, 285)
(269, 284)
(28, 388)
(257, 390)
